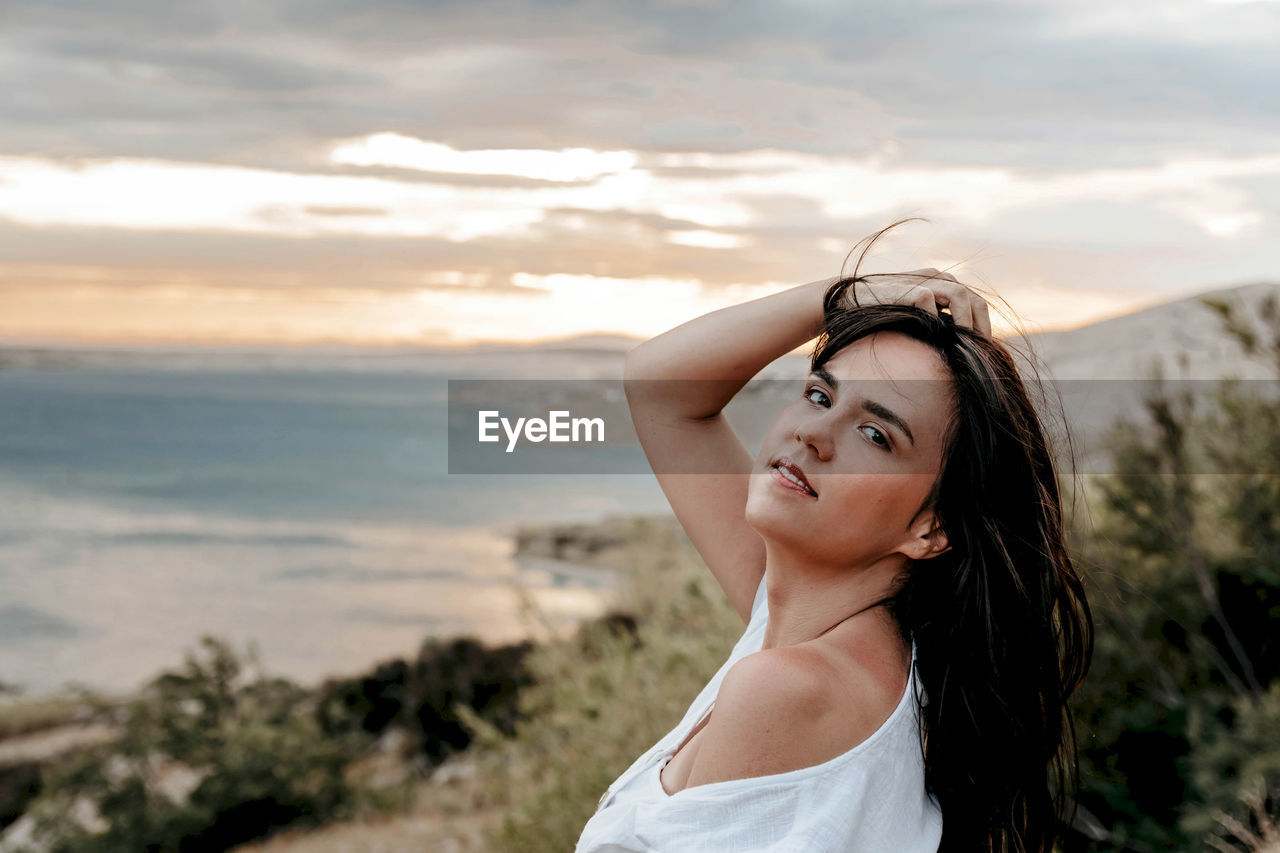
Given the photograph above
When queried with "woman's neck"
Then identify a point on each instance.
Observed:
(806, 602)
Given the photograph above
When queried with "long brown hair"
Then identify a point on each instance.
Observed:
(1002, 627)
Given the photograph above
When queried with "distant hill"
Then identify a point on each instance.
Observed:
(1103, 371)
(1184, 337)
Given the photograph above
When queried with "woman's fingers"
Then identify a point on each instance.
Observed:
(928, 289)
(924, 297)
(969, 309)
(933, 274)
(982, 317)
(961, 308)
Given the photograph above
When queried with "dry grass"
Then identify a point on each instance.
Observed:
(1241, 837)
(20, 715)
(449, 814)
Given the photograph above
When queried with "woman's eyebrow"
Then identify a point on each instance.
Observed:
(881, 412)
(877, 409)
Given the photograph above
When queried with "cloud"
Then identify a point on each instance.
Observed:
(183, 196)
(305, 150)
(1027, 84)
(404, 152)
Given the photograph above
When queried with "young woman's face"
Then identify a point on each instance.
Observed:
(867, 436)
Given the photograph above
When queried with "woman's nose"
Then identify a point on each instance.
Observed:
(815, 433)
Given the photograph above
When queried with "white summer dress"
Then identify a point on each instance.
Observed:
(869, 799)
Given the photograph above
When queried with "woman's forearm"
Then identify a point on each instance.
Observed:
(695, 369)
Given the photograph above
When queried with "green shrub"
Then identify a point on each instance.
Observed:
(1231, 758)
(421, 696)
(1179, 720)
(210, 757)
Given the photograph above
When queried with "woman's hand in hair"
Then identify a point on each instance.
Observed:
(928, 289)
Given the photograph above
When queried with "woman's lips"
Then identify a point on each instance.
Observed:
(790, 475)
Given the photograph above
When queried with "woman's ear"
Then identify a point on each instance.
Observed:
(928, 539)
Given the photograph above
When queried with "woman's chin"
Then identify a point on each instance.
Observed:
(774, 519)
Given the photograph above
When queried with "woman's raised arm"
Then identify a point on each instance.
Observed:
(677, 386)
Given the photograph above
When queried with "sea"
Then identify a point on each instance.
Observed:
(298, 504)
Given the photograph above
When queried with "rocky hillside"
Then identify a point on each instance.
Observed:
(1183, 336)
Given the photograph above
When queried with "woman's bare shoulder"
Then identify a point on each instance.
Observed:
(784, 709)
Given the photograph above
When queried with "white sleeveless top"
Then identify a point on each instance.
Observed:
(872, 798)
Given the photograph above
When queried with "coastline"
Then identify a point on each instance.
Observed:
(40, 731)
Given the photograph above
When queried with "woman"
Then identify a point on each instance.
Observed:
(914, 622)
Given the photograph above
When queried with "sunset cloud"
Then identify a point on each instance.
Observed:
(156, 195)
(227, 171)
(393, 149)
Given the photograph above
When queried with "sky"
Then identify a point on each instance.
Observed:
(439, 173)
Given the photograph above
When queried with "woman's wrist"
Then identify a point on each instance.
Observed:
(729, 346)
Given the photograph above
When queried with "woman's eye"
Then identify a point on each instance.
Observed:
(876, 436)
(822, 397)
